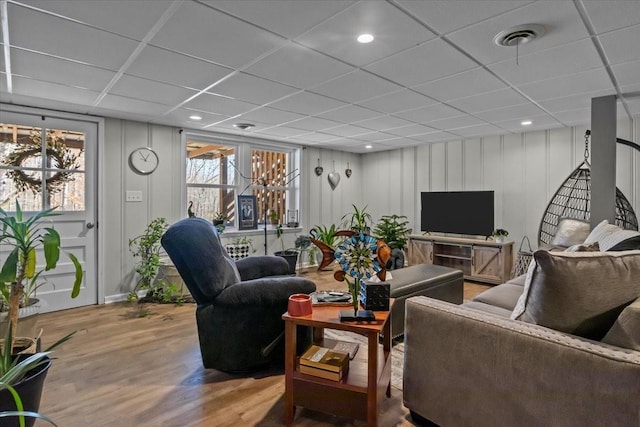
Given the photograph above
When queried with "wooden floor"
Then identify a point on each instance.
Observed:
(140, 366)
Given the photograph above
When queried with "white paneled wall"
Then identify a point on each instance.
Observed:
(524, 170)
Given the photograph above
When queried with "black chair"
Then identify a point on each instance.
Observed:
(239, 304)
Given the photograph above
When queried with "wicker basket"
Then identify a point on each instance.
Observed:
(523, 259)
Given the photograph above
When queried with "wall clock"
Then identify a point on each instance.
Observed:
(143, 160)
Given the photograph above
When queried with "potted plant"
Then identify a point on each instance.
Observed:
(500, 234)
(324, 238)
(240, 247)
(273, 217)
(25, 236)
(291, 255)
(303, 245)
(359, 220)
(146, 248)
(393, 230)
(220, 220)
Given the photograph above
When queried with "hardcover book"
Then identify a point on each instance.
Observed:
(317, 372)
(325, 359)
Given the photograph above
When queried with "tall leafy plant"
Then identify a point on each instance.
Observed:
(359, 220)
(393, 230)
(25, 236)
(146, 249)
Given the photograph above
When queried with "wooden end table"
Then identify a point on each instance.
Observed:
(369, 377)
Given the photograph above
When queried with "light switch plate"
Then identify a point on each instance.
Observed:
(133, 196)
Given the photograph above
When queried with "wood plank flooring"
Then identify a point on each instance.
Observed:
(140, 366)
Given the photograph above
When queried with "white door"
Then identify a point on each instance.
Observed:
(51, 162)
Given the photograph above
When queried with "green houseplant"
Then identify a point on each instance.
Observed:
(500, 234)
(393, 230)
(25, 235)
(359, 220)
(146, 249)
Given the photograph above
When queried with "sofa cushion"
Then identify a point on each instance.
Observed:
(488, 308)
(583, 247)
(610, 236)
(570, 231)
(503, 296)
(581, 293)
(625, 332)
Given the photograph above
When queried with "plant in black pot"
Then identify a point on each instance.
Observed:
(393, 230)
(291, 255)
(23, 236)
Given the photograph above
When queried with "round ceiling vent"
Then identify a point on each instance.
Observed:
(243, 126)
(519, 35)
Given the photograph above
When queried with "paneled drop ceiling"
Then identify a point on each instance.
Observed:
(294, 69)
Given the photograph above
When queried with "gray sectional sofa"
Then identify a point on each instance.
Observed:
(559, 346)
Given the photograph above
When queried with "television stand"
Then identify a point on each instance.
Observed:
(480, 260)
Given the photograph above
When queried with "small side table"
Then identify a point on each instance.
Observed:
(357, 394)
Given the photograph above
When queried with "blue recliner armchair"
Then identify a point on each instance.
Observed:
(239, 304)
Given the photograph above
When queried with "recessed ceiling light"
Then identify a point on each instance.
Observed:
(194, 117)
(526, 122)
(365, 38)
(243, 126)
(368, 146)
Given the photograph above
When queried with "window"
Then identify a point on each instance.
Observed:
(41, 168)
(217, 173)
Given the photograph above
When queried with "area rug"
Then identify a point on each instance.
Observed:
(397, 352)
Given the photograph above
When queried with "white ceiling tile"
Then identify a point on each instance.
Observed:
(446, 16)
(129, 18)
(200, 31)
(560, 19)
(148, 90)
(393, 30)
(478, 130)
(156, 64)
(67, 73)
(565, 103)
(517, 112)
(563, 60)
(622, 45)
(307, 103)
(48, 90)
(539, 121)
(419, 64)
(375, 136)
(349, 114)
(219, 105)
(628, 73)
(612, 14)
(304, 67)
(431, 112)
(383, 122)
(284, 17)
(56, 36)
(130, 105)
(355, 86)
(455, 122)
(573, 117)
(488, 101)
(347, 130)
(412, 130)
(271, 116)
(314, 124)
(394, 102)
(282, 131)
(182, 115)
(587, 81)
(319, 137)
(245, 87)
(436, 137)
(461, 85)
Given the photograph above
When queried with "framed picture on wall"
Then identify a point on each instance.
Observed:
(247, 213)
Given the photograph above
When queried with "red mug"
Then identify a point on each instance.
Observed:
(299, 305)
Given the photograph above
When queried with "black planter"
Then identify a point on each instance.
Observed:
(291, 257)
(30, 391)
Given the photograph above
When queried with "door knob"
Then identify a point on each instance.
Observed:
(90, 225)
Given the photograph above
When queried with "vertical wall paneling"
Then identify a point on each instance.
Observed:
(513, 195)
(473, 164)
(438, 164)
(492, 171)
(455, 166)
(535, 187)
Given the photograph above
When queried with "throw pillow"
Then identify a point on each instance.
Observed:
(570, 231)
(581, 293)
(625, 332)
(593, 247)
(610, 236)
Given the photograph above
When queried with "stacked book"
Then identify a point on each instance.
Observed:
(324, 362)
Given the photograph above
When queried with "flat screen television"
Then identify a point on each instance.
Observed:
(458, 212)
